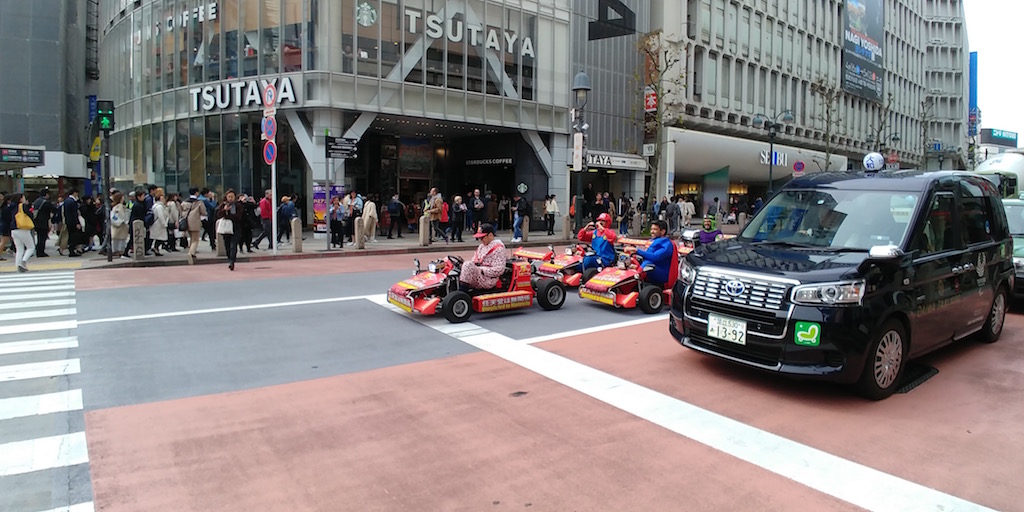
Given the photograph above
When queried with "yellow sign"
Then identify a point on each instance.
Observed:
(94, 151)
(602, 298)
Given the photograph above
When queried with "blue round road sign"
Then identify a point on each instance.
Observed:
(269, 128)
(798, 166)
(270, 152)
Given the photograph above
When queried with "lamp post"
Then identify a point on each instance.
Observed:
(772, 125)
(580, 88)
(880, 144)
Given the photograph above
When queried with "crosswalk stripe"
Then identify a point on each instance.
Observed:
(5, 306)
(43, 453)
(45, 313)
(19, 347)
(28, 278)
(15, 372)
(37, 284)
(22, 406)
(61, 325)
(6, 297)
(17, 287)
(78, 507)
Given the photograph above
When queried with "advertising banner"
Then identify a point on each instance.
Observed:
(415, 158)
(863, 40)
(320, 205)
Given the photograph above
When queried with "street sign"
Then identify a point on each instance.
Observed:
(341, 147)
(21, 156)
(798, 169)
(269, 128)
(650, 99)
(650, 149)
(270, 152)
(577, 152)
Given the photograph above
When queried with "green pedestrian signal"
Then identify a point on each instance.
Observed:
(105, 115)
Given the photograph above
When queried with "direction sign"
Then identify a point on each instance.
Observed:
(269, 128)
(341, 147)
(270, 152)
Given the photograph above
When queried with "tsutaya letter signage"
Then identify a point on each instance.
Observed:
(599, 159)
(436, 27)
(244, 93)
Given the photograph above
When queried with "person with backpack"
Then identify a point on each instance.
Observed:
(521, 208)
(397, 211)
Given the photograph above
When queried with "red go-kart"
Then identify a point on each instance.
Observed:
(626, 286)
(437, 290)
(565, 268)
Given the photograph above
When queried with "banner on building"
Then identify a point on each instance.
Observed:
(320, 205)
(863, 46)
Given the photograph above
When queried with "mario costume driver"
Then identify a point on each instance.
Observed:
(601, 239)
(488, 263)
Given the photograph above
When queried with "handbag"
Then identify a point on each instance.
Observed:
(225, 227)
(22, 219)
(183, 219)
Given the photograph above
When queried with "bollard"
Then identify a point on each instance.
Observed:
(425, 230)
(567, 227)
(741, 219)
(139, 240)
(358, 237)
(526, 228)
(296, 235)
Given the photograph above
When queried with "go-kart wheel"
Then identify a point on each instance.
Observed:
(457, 307)
(550, 294)
(651, 299)
(588, 274)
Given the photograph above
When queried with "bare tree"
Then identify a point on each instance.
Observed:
(661, 60)
(830, 98)
(881, 124)
(924, 115)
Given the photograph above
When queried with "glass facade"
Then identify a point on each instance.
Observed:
(185, 76)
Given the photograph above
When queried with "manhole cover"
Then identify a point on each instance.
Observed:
(914, 375)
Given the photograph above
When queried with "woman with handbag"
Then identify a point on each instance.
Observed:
(229, 216)
(158, 230)
(24, 227)
(118, 225)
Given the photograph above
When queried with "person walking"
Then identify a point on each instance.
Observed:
(24, 244)
(173, 214)
(369, 221)
(458, 213)
(433, 209)
(336, 215)
(43, 209)
(195, 214)
(551, 212)
(397, 211)
(118, 225)
(158, 230)
(229, 217)
(266, 221)
(6, 223)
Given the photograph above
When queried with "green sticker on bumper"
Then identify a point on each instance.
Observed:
(807, 334)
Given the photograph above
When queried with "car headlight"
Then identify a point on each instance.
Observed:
(686, 271)
(432, 267)
(831, 294)
(568, 251)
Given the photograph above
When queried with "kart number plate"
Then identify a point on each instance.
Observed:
(400, 301)
(727, 329)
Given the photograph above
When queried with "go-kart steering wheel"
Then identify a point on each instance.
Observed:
(455, 259)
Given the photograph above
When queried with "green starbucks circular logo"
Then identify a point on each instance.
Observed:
(366, 15)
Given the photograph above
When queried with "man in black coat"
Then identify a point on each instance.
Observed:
(43, 209)
(73, 223)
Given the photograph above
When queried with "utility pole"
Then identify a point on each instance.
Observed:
(105, 121)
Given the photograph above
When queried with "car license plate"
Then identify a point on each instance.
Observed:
(400, 301)
(727, 329)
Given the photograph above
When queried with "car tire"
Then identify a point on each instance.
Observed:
(885, 362)
(588, 274)
(996, 317)
(457, 307)
(651, 299)
(550, 294)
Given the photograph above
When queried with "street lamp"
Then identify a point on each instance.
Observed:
(581, 88)
(880, 144)
(772, 126)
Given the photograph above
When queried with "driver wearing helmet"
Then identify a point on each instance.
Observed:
(601, 239)
(488, 263)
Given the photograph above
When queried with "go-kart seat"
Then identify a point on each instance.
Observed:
(673, 269)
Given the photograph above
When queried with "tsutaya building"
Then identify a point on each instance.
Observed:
(458, 94)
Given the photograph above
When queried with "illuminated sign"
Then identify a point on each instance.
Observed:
(239, 94)
(436, 27)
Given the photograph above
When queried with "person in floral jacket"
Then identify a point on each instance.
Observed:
(487, 264)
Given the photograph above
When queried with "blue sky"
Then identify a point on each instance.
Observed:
(993, 27)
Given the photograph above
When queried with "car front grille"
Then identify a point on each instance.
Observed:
(768, 356)
(754, 293)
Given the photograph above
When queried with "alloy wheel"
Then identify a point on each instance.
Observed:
(888, 359)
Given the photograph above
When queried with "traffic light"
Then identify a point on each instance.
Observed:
(105, 115)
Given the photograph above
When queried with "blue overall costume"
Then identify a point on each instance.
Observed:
(603, 243)
(659, 254)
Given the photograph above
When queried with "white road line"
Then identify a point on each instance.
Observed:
(19, 347)
(29, 278)
(599, 328)
(78, 507)
(22, 288)
(221, 310)
(43, 453)
(849, 481)
(62, 325)
(35, 370)
(22, 406)
(6, 306)
(37, 284)
(45, 313)
(40, 275)
(5, 297)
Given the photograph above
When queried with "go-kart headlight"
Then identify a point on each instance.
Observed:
(686, 271)
(831, 294)
(432, 267)
(568, 251)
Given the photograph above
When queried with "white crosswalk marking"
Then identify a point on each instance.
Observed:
(37, 365)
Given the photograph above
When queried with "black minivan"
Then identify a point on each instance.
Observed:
(847, 276)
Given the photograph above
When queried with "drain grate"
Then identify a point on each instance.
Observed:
(914, 375)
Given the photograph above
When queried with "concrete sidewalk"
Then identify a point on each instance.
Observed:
(312, 247)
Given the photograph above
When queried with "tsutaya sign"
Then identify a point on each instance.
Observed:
(436, 27)
(239, 94)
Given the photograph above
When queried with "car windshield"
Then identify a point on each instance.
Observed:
(1015, 217)
(834, 219)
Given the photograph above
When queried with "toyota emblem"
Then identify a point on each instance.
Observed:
(734, 288)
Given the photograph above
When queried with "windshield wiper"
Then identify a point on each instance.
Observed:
(786, 243)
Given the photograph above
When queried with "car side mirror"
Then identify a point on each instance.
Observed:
(690, 234)
(881, 256)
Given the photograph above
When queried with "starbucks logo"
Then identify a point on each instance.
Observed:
(522, 188)
(366, 15)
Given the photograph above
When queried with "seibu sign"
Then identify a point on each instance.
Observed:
(244, 93)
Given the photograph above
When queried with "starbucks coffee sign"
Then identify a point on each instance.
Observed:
(243, 93)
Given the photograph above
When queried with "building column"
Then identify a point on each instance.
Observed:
(559, 176)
